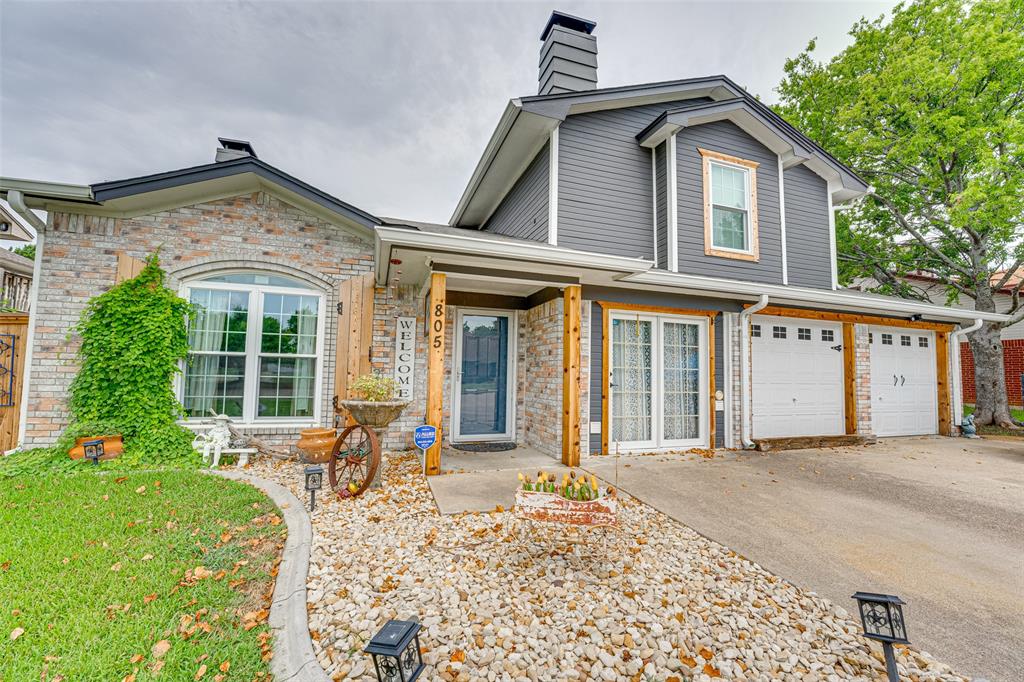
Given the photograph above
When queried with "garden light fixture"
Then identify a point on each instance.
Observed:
(314, 481)
(396, 651)
(93, 450)
(881, 616)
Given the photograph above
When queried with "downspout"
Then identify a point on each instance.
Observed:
(762, 302)
(17, 202)
(958, 388)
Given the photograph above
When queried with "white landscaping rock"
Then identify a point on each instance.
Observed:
(655, 600)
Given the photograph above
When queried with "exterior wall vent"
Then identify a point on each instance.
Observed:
(568, 56)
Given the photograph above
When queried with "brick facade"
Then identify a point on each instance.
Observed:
(1013, 365)
(542, 387)
(253, 231)
(862, 383)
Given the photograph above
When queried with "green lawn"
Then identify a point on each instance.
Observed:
(100, 573)
(1016, 413)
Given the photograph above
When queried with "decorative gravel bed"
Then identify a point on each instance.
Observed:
(501, 602)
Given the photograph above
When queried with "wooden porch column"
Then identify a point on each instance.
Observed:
(942, 382)
(571, 376)
(435, 367)
(850, 377)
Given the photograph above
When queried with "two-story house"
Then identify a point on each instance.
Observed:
(650, 267)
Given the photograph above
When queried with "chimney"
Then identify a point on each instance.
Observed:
(568, 58)
(234, 149)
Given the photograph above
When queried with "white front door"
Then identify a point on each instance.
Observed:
(904, 395)
(484, 381)
(658, 385)
(797, 377)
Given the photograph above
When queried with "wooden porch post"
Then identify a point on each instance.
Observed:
(571, 376)
(435, 367)
(942, 382)
(850, 377)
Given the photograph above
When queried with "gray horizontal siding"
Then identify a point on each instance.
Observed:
(727, 138)
(604, 182)
(523, 213)
(653, 298)
(808, 250)
(662, 207)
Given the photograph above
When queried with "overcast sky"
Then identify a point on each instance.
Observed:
(387, 106)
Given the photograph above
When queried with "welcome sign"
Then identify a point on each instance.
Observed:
(405, 356)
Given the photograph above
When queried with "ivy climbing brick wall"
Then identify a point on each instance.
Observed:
(253, 231)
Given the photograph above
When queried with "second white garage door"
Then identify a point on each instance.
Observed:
(797, 378)
(904, 397)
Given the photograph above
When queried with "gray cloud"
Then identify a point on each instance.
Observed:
(385, 105)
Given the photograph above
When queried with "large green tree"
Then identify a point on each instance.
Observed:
(928, 107)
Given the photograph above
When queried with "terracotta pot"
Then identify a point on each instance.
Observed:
(376, 415)
(113, 446)
(316, 444)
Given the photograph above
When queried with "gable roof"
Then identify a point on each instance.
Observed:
(146, 193)
(528, 121)
(11, 227)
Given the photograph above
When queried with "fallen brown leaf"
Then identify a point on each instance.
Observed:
(16, 633)
(160, 648)
(200, 672)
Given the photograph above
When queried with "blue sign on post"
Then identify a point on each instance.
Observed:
(425, 436)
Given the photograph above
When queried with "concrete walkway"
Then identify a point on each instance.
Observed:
(480, 481)
(938, 521)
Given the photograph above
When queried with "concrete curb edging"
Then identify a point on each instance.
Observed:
(293, 649)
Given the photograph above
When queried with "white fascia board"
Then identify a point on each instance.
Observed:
(672, 187)
(803, 296)
(782, 224)
(537, 252)
(508, 117)
(553, 188)
(654, 198)
(833, 254)
(51, 190)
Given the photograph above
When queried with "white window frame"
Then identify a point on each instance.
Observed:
(658, 442)
(253, 344)
(747, 226)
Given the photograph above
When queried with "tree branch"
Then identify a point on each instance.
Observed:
(920, 238)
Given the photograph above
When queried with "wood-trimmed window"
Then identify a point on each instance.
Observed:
(730, 206)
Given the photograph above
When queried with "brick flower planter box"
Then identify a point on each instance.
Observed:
(552, 507)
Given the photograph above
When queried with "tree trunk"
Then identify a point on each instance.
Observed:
(993, 405)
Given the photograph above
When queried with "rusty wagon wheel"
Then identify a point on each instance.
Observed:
(354, 461)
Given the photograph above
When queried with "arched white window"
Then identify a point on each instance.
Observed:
(256, 348)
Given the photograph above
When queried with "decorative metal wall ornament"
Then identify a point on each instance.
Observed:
(395, 650)
(881, 616)
(7, 342)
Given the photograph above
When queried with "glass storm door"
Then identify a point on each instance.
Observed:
(658, 382)
(484, 385)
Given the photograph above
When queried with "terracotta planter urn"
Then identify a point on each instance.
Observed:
(375, 414)
(113, 446)
(316, 444)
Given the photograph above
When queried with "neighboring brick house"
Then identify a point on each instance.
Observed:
(647, 267)
(1012, 337)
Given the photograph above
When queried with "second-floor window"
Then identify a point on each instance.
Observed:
(730, 206)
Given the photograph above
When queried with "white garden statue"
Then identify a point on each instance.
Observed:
(217, 441)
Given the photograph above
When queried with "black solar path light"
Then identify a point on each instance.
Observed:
(93, 450)
(396, 651)
(881, 616)
(314, 482)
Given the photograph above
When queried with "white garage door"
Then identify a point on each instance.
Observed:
(797, 373)
(904, 398)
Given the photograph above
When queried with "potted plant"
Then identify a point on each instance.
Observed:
(376, 406)
(108, 432)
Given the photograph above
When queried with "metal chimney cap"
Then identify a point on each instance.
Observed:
(573, 23)
(237, 145)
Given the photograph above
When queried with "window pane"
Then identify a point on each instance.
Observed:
(214, 383)
(289, 324)
(728, 186)
(728, 228)
(286, 387)
(220, 320)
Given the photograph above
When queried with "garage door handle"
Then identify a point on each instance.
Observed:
(837, 348)
(895, 380)
(903, 380)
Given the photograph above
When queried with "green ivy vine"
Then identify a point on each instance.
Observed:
(134, 337)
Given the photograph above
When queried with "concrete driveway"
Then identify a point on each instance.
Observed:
(938, 521)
